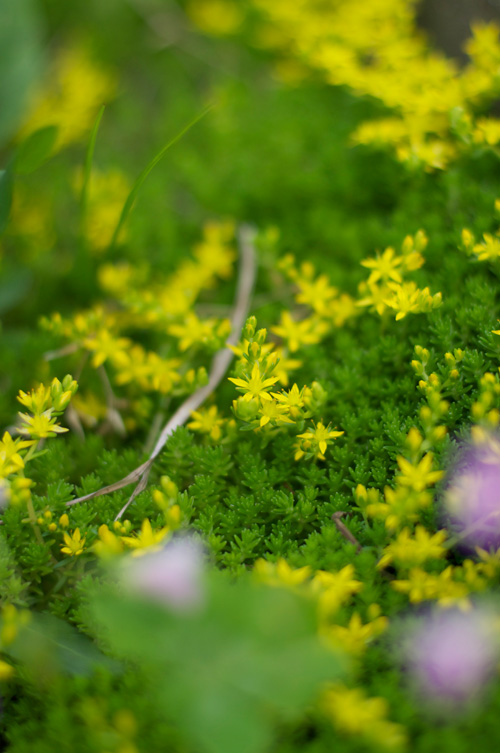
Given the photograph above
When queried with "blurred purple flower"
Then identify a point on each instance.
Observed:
(173, 575)
(451, 656)
(473, 496)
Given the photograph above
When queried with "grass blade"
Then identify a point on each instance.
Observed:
(144, 174)
(88, 163)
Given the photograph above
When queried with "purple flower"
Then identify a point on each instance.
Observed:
(173, 576)
(451, 656)
(473, 496)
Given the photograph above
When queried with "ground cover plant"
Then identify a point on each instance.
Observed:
(250, 395)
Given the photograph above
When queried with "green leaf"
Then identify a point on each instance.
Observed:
(48, 647)
(20, 60)
(35, 150)
(5, 198)
(89, 156)
(251, 656)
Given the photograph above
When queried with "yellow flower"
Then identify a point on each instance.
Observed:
(489, 250)
(384, 267)
(306, 332)
(74, 543)
(406, 299)
(420, 476)
(355, 636)
(194, 331)
(10, 459)
(108, 544)
(255, 385)
(146, 539)
(105, 345)
(71, 97)
(355, 714)
(334, 589)
(40, 426)
(317, 294)
(36, 401)
(292, 399)
(207, 421)
(373, 295)
(421, 586)
(409, 552)
(280, 573)
(273, 413)
(319, 439)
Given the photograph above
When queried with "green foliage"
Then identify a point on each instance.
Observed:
(224, 672)
(20, 40)
(96, 668)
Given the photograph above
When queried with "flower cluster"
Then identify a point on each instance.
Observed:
(259, 407)
(12, 620)
(386, 288)
(159, 306)
(329, 308)
(71, 97)
(416, 475)
(435, 109)
(331, 591)
(110, 543)
(44, 405)
(353, 713)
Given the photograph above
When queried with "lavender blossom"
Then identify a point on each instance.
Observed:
(173, 575)
(473, 497)
(451, 656)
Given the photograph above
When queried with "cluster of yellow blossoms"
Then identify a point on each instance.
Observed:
(11, 621)
(416, 475)
(385, 288)
(435, 108)
(161, 305)
(121, 537)
(75, 89)
(44, 405)
(488, 249)
(348, 708)
(261, 408)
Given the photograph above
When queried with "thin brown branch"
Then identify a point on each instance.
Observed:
(220, 364)
(336, 517)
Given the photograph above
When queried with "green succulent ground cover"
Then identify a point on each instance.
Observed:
(277, 157)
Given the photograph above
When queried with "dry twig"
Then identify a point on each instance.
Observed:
(220, 363)
(336, 517)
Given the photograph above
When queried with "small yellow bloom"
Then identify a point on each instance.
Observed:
(255, 385)
(146, 539)
(420, 476)
(40, 426)
(306, 332)
(207, 421)
(408, 551)
(108, 544)
(320, 438)
(355, 714)
(74, 543)
(384, 267)
(280, 573)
